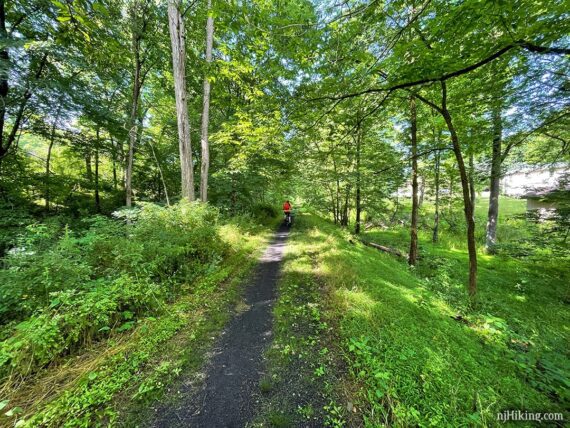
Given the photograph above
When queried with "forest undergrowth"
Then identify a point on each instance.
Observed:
(100, 320)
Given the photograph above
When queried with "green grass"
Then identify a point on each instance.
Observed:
(410, 362)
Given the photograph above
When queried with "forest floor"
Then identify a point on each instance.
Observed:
(228, 392)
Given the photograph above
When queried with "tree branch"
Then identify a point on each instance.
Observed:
(446, 76)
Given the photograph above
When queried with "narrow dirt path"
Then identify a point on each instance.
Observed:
(228, 395)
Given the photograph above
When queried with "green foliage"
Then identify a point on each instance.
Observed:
(87, 285)
(265, 211)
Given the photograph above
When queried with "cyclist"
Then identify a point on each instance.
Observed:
(287, 208)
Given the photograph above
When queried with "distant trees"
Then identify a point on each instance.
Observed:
(363, 57)
(111, 63)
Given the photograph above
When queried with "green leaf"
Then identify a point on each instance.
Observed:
(14, 411)
(126, 326)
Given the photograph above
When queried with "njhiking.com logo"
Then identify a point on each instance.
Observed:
(522, 415)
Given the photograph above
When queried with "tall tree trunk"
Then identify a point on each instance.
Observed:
(358, 201)
(88, 167)
(97, 197)
(412, 258)
(467, 205)
(337, 192)
(176, 26)
(435, 236)
(345, 210)
(133, 129)
(494, 186)
(114, 159)
(4, 75)
(48, 158)
(206, 108)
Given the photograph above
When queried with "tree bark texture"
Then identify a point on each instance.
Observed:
(205, 162)
(176, 26)
(413, 255)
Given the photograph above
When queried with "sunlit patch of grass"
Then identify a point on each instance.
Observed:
(358, 301)
(421, 355)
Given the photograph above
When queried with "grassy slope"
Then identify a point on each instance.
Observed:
(111, 382)
(414, 364)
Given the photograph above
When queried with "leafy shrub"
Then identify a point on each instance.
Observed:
(103, 279)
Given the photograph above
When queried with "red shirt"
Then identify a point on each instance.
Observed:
(287, 206)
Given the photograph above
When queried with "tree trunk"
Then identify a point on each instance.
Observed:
(4, 75)
(472, 179)
(97, 197)
(413, 255)
(160, 174)
(133, 129)
(358, 201)
(493, 214)
(468, 207)
(114, 159)
(176, 26)
(206, 108)
(435, 236)
(345, 211)
(48, 158)
(88, 167)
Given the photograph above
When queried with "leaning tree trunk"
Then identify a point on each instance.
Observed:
(161, 175)
(176, 26)
(412, 258)
(467, 205)
(493, 214)
(206, 109)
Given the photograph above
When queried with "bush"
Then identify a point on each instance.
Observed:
(264, 211)
(104, 279)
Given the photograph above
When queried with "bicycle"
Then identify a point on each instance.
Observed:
(288, 218)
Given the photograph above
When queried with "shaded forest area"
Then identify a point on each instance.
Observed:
(146, 148)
